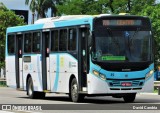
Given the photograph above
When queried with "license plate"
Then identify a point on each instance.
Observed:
(126, 84)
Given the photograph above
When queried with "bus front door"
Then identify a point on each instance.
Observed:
(18, 59)
(83, 65)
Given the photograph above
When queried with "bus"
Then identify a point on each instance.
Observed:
(81, 55)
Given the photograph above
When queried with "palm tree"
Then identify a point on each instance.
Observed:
(3, 7)
(41, 7)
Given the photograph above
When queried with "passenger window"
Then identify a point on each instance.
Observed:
(72, 40)
(11, 44)
(54, 40)
(36, 42)
(63, 40)
(27, 43)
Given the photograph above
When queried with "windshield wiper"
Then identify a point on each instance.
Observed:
(114, 40)
(130, 40)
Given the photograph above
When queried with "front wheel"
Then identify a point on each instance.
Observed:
(74, 94)
(129, 97)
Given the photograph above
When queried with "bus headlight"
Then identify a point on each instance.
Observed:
(149, 74)
(95, 72)
(103, 77)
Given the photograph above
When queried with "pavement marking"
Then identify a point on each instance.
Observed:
(5, 112)
(18, 112)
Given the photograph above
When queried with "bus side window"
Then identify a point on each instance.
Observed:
(63, 40)
(36, 42)
(54, 40)
(72, 39)
(27, 43)
(11, 44)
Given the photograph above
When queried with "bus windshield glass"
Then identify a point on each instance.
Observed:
(122, 45)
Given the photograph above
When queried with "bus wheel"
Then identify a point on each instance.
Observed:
(31, 93)
(75, 96)
(129, 97)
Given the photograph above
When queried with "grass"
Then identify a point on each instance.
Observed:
(155, 91)
(2, 84)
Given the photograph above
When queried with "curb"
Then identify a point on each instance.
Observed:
(148, 93)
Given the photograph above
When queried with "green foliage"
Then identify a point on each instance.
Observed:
(75, 7)
(130, 6)
(7, 19)
(70, 7)
(153, 12)
(3, 84)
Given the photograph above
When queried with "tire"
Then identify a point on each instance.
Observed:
(129, 97)
(30, 90)
(41, 95)
(33, 94)
(74, 92)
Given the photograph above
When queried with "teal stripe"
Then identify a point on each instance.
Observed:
(57, 75)
(24, 28)
(38, 71)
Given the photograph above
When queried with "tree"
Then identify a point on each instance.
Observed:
(153, 13)
(91, 7)
(41, 7)
(129, 6)
(7, 19)
(102, 6)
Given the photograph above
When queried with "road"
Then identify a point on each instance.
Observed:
(58, 102)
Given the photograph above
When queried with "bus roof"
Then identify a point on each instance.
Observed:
(57, 22)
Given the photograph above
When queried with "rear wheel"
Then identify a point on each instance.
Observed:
(74, 94)
(129, 97)
(30, 91)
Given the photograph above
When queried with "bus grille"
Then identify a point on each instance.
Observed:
(117, 83)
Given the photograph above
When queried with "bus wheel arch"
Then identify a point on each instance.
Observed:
(30, 89)
(74, 94)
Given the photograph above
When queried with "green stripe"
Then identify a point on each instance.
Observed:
(113, 58)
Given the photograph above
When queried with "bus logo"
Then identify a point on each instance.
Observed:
(126, 76)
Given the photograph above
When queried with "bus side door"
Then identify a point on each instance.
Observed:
(18, 59)
(45, 60)
(83, 57)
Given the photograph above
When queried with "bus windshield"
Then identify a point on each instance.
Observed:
(122, 46)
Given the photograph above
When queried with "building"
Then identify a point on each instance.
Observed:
(21, 9)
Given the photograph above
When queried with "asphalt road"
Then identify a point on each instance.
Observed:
(60, 103)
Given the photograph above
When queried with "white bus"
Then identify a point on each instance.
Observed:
(81, 55)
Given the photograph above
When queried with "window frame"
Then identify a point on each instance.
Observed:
(25, 43)
(66, 37)
(14, 36)
(38, 52)
(63, 28)
(35, 31)
(75, 40)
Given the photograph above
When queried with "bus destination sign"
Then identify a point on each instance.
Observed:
(121, 22)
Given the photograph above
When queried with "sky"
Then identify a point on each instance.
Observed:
(158, 1)
(20, 5)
